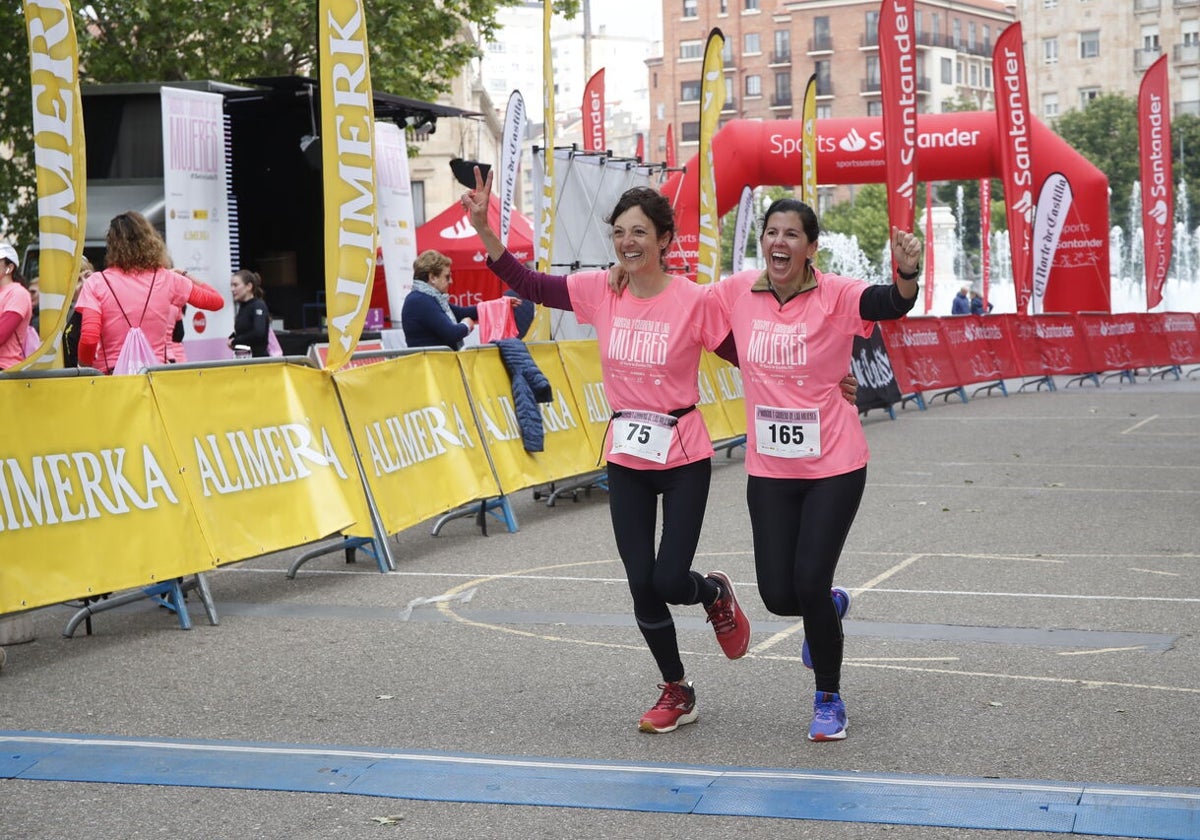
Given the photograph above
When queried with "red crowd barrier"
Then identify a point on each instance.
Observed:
(945, 353)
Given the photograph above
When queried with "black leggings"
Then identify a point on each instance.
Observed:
(799, 528)
(665, 577)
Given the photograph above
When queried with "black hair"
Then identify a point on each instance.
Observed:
(808, 219)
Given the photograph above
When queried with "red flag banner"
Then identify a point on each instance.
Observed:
(1158, 204)
(670, 147)
(1016, 173)
(593, 114)
(928, 250)
(898, 77)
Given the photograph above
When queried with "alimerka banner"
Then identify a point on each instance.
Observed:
(1158, 202)
(264, 480)
(60, 157)
(421, 450)
(1016, 164)
(593, 113)
(712, 100)
(898, 79)
(348, 166)
(90, 507)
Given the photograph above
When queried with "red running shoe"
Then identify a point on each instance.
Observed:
(676, 707)
(730, 623)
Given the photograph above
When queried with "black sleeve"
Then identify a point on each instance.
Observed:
(883, 302)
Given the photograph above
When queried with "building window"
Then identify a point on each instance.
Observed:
(1087, 94)
(660, 111)
(825, 112)
(987, 76)
(973, 71)
(822, 38)
(987, 39)
(1049, 4)
(689, 91)
(936, 29)
(971, 35)
(1150, 41)
(947, 71)
(751, 5)
(1190, 30)
(727, 53)
(1049, 105)
(689, 132)
(956, 34)
(783, 45)
(783, 88)
(689, 8)
(958, 72)
(824, 77)
(691, 50)
(1089, 44)
(729, 102)
(754, 86)
(1049, 51)
(724, 8)
(752, 43)
(873, 82)
(872, 34)
(918, 23)
(875, 108)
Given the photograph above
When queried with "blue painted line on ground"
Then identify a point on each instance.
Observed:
(1156, 813)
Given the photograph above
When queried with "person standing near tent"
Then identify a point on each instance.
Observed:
(806, 453)
(252, 323)
(658, 445)
(135, 289)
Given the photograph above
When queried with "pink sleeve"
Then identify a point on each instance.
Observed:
(587, 289)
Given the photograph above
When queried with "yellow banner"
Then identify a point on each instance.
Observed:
(92, 501)
(710, 404)
(728, 382)
(61, 158)
(712, 100)
(421, 450)
(568, 450)
(808, 182)
(348, 165)
(265, 454)
(581, 361)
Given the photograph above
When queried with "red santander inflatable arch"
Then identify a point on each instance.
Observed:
(956, 146)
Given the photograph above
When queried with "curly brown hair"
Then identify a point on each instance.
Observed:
(133, 243)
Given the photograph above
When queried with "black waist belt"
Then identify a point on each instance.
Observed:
(675, 412)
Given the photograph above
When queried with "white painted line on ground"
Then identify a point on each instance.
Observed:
(1140, 423)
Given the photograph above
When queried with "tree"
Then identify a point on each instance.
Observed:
(1106, 133)
(416, 50)
(864, 216)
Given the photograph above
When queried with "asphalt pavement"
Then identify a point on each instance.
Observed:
(1021, 662)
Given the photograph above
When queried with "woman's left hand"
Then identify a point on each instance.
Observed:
(906, 251)
(617, 279)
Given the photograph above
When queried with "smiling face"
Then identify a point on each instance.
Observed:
(787, 248)
(637, 242)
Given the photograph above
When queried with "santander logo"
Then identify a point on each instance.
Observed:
(459, 230)
(853, 142)
(1159, 212)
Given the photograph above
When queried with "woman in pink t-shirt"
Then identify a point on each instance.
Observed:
(16, 308)
(650, 342)
(135, 289)
(806, 454)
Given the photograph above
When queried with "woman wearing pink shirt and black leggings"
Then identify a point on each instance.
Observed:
(658, 445)
(806, 453)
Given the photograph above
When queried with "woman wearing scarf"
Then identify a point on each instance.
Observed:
(428, 317)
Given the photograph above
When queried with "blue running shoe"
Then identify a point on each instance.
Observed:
(841, 601)
(829, 718)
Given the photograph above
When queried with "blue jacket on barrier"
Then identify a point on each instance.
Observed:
(529, 387)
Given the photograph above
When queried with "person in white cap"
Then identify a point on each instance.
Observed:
(16, 308)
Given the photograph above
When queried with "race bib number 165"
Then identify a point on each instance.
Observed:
(787, 432)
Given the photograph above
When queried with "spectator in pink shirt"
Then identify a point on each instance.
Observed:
(135, 288)
(16, 308)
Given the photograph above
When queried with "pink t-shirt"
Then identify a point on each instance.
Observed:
(15, 298)
(170, 292)
(792, 359)
(650, 355)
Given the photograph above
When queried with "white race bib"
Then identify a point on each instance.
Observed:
(787, 432)
(643, 434)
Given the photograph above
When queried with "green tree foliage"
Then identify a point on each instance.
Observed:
(417, 48)
(865, 217)
(1106, 133)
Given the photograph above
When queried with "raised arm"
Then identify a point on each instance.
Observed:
(476, 203)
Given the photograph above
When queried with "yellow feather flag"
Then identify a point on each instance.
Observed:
(540, 329)
(712, 99)
(808, 182)
(348, 166)
(61, 160)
